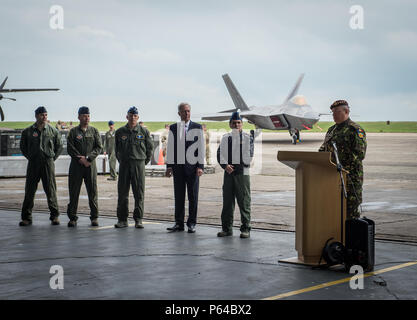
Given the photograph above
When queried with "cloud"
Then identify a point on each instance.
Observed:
(402, 43)
(159, 53)
(89, 31)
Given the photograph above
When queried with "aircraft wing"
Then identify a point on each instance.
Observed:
(23, 90)
(216, 117)
(225, 115)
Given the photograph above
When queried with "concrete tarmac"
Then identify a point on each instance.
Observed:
(389, 196)
(151, 263)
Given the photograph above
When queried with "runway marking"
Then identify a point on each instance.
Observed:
(332, 283)
(112, 226)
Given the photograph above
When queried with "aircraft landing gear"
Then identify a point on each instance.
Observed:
(295, 136)
(257, 132)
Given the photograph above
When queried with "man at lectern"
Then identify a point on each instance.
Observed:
(350, 140)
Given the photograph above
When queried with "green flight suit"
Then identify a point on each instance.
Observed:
(109, 147)
(83, 143)
(351, 145)
(133, 150)
(41, 148)
(236, 150)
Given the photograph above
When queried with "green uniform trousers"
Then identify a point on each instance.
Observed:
(354, 196)
(112, 163)
(131, 172)
(38, 169)
(236, 186)
(77, 174)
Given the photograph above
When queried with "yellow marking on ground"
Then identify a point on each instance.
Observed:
(112, 226)
(332, 283)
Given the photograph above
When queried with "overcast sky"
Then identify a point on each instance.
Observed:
(155, 54)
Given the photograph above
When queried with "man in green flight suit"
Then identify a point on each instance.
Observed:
(133, 151)
(109, 149)
(83, 145)
(350, 140)
(41, 145)
(234, 155)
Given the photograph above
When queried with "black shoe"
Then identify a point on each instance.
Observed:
(55, 221)
(176, 227)
(191, 228)
(94, 223)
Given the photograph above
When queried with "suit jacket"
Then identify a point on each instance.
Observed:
(178, 147)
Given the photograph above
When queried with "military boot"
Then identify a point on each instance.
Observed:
(139, 224)
(72, 224)
(55, 221)
(25, 223)
(245, 234)
(225, 234)
(94, 223)
(121, 224)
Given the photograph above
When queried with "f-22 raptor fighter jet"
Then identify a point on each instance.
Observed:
(294, 114)
(15, 90)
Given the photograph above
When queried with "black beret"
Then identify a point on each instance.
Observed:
(338, 103)
(40, 109)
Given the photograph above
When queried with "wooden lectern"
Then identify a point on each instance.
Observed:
(318, 203)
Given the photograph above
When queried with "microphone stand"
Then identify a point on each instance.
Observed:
(343, 192)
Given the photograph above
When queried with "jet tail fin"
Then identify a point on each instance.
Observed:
(236, 97)
(294, 91)
(4, 82)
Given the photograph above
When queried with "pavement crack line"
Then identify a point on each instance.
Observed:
(386, 287)
(137, 255)
(396, 221)
(107, 256)
(244, 261)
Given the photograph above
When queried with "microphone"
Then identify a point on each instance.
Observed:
(339, 166)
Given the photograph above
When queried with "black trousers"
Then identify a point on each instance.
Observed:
(185, 179)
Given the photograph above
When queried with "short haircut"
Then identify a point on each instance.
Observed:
(183, 104)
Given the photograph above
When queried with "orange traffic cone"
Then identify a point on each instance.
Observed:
(161, 158)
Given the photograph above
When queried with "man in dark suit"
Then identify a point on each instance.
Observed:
(185, 161)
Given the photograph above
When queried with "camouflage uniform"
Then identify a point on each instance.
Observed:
(350, 140)
(207, 139)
